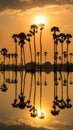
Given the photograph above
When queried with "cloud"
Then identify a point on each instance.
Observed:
(52, 9)
(24, 125)
(21, 125)
(27, 4)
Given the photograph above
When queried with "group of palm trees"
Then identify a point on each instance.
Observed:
(61, 38)
(21, 39)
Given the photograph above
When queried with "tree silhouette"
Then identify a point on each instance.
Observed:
(28, 39)
(68, 100)
(15, 36)
(55, 37)
(41, 116)
(68, 36)
(33, 31)
(15, 104)
(22, 37)
(54, 110)
(4, 52)
(62, 38)
(41, 29)
(61, 104)
(22, 103)
(29, 99)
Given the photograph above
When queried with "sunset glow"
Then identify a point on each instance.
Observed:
(40, 19)
(41, 113)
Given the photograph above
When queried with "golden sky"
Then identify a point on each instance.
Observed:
(18, 15)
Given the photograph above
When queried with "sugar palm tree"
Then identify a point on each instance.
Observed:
(22, 37)
(28, 39)
(4, 52)
(62, 38)
(55, 37)
(68, 36)
(41, 29)
(15, 36)
(33, 31)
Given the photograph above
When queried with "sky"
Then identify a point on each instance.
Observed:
(17, 16)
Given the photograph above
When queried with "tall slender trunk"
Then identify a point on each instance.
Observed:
(16, 85)
(24, 55)
(34, 49)
(30, 51)
(16, 53)
(4, 62)
(21, 57)
(34, 90)
(31, 86)
(40, 91)
(67, 57)
(62, 54)
(40, 47)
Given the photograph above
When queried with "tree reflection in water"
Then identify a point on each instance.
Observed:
(14, 104)
(21, 97)
(61, 99)
(4, 85)
(30, 92)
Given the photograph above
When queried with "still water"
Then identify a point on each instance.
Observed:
(37, 100)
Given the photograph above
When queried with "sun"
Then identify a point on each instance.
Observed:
(40, 20)
(41, 113)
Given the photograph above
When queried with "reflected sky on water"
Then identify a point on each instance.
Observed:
(36, 101)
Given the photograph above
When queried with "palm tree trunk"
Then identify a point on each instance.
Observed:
(31, 86)
(34, 90)
(61, 55)
(16, 85)
(4, 62)
(34, 49)
(40, 91)
(24, 55)
(30, 51)
(67, 56)
(40, 48)
(16, 53)
(24, 84)
(21, 57)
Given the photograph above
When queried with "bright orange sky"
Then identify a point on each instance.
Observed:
(18, 20)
